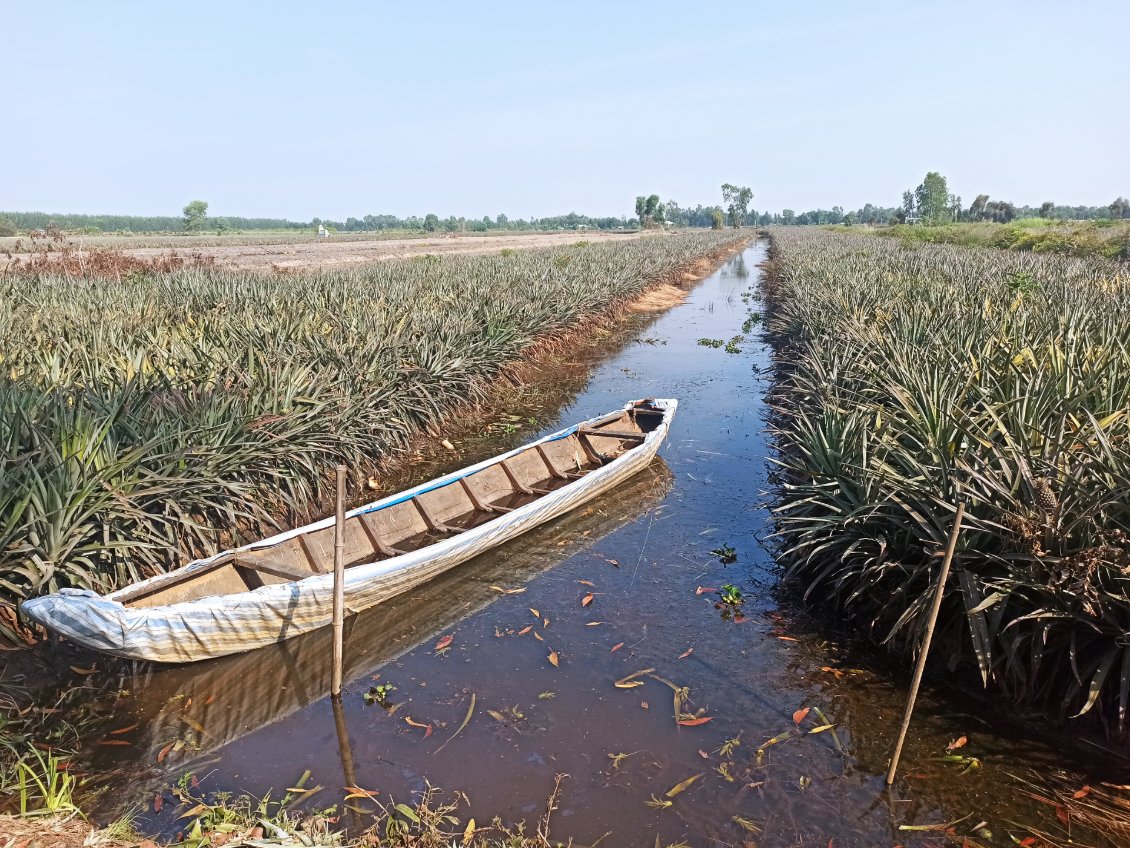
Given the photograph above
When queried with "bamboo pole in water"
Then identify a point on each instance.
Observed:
(339, 584)
(924, 650)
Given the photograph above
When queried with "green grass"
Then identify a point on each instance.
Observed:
(914, 375)
(170, 415)
(1107, 239)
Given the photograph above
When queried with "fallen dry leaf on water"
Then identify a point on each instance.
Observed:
(535, 612)
(553, 659)
(358, 792)
(587, 583)
(427, 728)
(443, 643)
(525, 630)
(158, 802)
(782, 638)
(164, 752)
(508, 591)
(960, 742)
(587, 599)
(627, 684)
(616, 647)
(595, 623)
(538, 636)
(682, 786)
(702, 590)
(1082, 793)
(113, 742)
(122, 730)
(799, 715)
(695, 722)
(644, 704)
(686, 653)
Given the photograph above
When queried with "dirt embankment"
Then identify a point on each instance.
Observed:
(341, 254)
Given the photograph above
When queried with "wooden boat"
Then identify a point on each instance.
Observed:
(280, 587)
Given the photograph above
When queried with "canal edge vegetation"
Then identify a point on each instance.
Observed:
(907, 372)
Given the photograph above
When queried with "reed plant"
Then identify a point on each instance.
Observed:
(155, 417)
(912, 376)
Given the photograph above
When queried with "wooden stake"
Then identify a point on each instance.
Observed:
(924, 650)
(339, 584)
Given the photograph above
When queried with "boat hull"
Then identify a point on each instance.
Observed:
(232, 623)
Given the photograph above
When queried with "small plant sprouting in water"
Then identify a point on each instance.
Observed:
(750, 322)
(726, 554)
(711, 342)
(732, 345)
(379, 694)
(731, 595)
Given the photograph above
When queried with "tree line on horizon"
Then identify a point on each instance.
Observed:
(930, 203)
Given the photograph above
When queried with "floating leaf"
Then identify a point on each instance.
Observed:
(538, 636)
(1082, 793)
(702, 590)
(686, 653)
(799, 715)
(553, 659)
(357, 792)
(122, 730)
(113, 742)
(545, 696)
(821, 728)
(497, 716)
(682, 786)
(158, 802)
(616, 647)
(960, 742)
(525, 630)
(508, 591)
(587, 599)
(587, 583)
(535, 612)
(595, 623)
(695, 722)
(443, 643)
(466, 720)
(164, 752)
(621, 683)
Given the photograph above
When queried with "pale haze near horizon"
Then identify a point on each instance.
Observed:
(346, 109)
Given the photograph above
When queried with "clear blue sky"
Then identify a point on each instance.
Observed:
(348, 108)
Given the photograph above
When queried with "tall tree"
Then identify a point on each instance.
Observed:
(932, 199)
(737, 200)
(1120, 208)
(1046, 209)
(195, 214)
(641, 209)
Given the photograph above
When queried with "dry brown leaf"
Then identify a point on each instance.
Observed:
(587, 599)
(443, 643)
(686, 653)
(799, 715)
(553, 659)
(616, 647)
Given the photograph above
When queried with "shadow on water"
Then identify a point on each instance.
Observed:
(739, 678)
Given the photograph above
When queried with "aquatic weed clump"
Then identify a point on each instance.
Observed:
(912, 377)
(150, 417)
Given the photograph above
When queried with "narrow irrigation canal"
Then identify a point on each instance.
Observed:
(675, 716)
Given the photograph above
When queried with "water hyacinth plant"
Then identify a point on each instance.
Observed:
(912, 376)
(152, 417)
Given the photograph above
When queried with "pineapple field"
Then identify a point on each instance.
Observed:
(153, 416)
(911, 377)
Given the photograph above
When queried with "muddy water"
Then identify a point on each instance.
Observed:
(762, 772)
